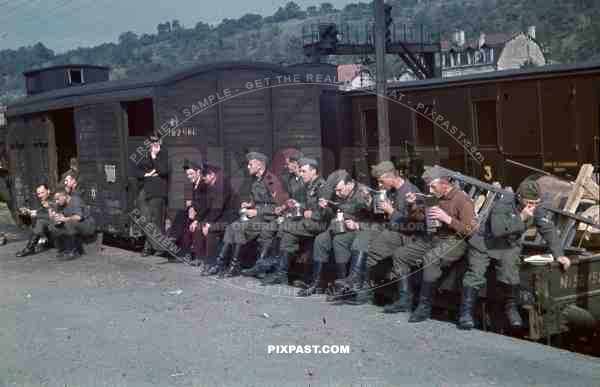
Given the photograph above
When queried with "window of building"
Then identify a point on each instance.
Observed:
(443, 60)
(75, 76)
(458, 58)
(485, 122)
(491, 54)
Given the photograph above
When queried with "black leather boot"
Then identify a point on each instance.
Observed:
(221, 258)
(147, 250)
(354, 281)
(30, 247)
(261, 266)
(59, 243)
(404, 301)
(281, 275)
(469, 298)
(316, 280)
(233, 270)
(338, 294)
(70, 245)
(511, 307)
(423, 311)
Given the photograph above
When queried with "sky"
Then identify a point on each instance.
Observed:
(66, 24)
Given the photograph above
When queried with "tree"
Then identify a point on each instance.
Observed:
(128, 38)
(326, 8)
(175, 26)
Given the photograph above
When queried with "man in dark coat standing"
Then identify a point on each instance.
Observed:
(153, 170)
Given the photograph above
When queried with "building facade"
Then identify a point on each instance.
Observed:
(490, 52)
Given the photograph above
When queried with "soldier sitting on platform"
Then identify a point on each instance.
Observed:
(456, 217)
(40, 219)
(353, 209)
(314, 220)
(70, 224)
(257, 221)
(499, 238)
(400, 230)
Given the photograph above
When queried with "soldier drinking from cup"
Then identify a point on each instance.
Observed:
(456, 215)
(500, 239)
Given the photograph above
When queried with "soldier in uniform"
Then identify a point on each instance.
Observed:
(70, 179)
(294, 186)
(260, 211)
(315, 220)
(41, 220)
(499, 238)
(353, 209)
(456, 215)
(153, 169)
(291, 179)
(70, 224)
(383, 244)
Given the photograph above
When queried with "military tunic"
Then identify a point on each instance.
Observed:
(447, 246)
(84, 227)
(262, 227)
(506, 250)
(400, 225)
(355, 207)
(294, 186)
(293, 231)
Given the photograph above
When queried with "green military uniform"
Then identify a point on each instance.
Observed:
(356, 207)
(263, 226)
(85, 227)
(386, 242)
(293, 231)
(489, 243)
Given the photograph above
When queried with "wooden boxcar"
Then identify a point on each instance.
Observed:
(546, 117)
(104, 124)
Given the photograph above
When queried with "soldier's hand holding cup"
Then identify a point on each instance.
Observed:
(411, 197)
(386, 206)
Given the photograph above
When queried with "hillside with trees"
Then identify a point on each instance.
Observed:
(566, 28)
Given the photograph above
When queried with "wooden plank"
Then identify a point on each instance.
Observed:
(585, 175)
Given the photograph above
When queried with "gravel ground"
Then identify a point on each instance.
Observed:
(112, 318)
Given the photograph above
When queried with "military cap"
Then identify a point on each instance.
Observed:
(529, 189)
(382, 168)
(256, 156)
(435, 173)
(308, 161)
(292, 154)
(188, 164)
(336, 176)
(71, 172)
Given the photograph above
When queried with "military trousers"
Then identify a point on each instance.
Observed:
(84, 228)
(383, 246)
(506, 255)
(294, 231)
(430, 256)
(242, 232)
(41, 227)
(152, 210)
(341, 244)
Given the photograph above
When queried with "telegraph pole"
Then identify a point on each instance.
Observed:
(383, 129)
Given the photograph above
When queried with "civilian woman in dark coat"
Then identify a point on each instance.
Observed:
(153, 170)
